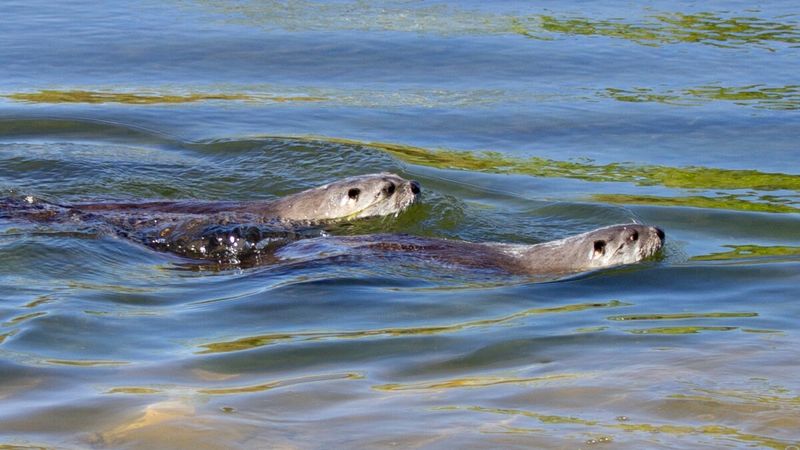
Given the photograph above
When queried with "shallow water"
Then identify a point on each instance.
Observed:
(523, 123)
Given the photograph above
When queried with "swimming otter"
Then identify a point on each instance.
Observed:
(228, 230)
(356, 197)
(601, 248)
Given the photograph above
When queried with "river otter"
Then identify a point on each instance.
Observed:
(361, 196)
(228, 230)
(601, 248)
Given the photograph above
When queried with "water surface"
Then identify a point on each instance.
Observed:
(522, 122)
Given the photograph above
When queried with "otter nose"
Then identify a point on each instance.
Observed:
(660, 233)
(415, 189)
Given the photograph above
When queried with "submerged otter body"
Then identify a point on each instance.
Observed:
(228, 230)
(597, 249)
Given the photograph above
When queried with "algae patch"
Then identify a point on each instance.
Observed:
(134, 391)
(23, 318)
(679, 330)
(133, 98)
(669, 431)
(680, 316)
(757, 95)
(729, 202)
(659, 28)
(674, 28)
(85, 363)
(472, 382)
(5, 336)
(691, 177)
(750, 251)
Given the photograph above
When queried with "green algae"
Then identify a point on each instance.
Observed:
(85, 363)
(134, 390)
(471, 382)
(716, 430)
(23, 318)
(7, 335)
(249, 389)
(757, 95)
(543, 418)
(643, 95)
(607, 28)
(132, 98)
(674, 430)
(690, 177)
(749, 251)
(780, 401)
(679, 330)
(705, 28)
(596, 329)
(23, 447)
(679, 316)
(700, 28)
(40, 300)
(729, 202)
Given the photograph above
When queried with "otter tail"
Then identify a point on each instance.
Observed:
(32, 209)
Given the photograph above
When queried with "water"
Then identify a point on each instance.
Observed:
(684, 116)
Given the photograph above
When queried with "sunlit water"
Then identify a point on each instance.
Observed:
(684, 116)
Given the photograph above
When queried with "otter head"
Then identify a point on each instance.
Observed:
(619, 244)
(361, 196)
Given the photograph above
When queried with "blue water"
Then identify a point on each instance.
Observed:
(598, 113)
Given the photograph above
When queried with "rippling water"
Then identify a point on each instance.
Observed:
(523, 123)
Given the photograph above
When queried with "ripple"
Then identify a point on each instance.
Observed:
(472, 382)
(251, 342)
(23, 318)
(7, 335)
(678, 316)
(279, 383)
(747, 252)
(234, 390)
(85, 362)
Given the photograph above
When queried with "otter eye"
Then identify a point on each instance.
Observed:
(389, 189)
(599, 247)
(354, 193)
(634, 236)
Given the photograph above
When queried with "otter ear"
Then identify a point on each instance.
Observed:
(599, 248)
